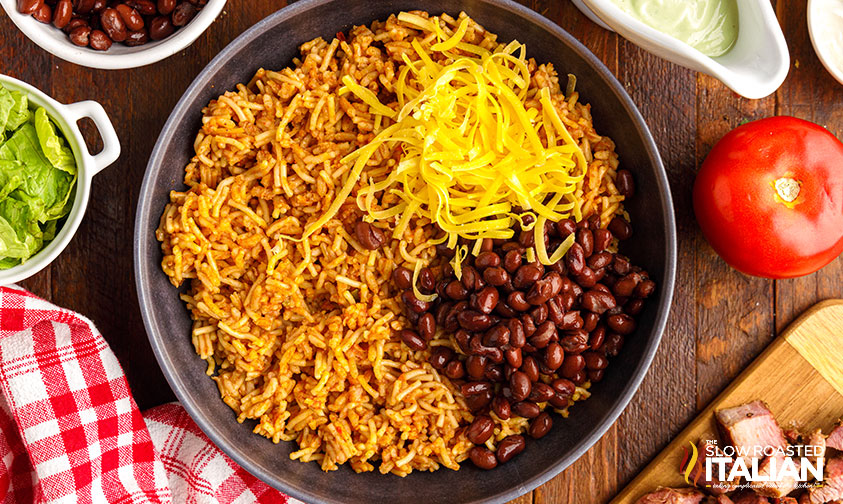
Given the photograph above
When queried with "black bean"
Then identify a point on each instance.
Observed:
(477, 402)
(513, 357)
(509, 447)
(541, 392)
(621, 323)
(483, 457)
(81, 35)
(486, 300)
(586, 240)
(427, 326)
(645, 289)
(597, 301)
(413, 303)
(520, 385)
(480, 429)
(590, 321)
(440, 356)
(475, 365)
(575, 259)
(540, 426)
(517, 336)
(594, 360)
(496, 276)
(502, 408)
(586, 278)
(487, 259)
(526, 276)
(475, 387)
(512, 261)
(572, 365)
(526, 409)
(183, 13)
(455, 369)
(574, 342)
(497, 336)
(565, 227)
(165, 7)
(369, 236)
(44, 14)
(162, 27)
(136, 38)
(62, 14)
(544, 334)
(553, 356)
(530, 367)
(413, 340)
(471, 320)
(402, 277)
(620, 228)
(99, 40)
(634, 306)
(599, 260)
(597, 337)
(29, 7)
(625, 183)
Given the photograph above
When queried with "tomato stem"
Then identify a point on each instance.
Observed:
(787, 189)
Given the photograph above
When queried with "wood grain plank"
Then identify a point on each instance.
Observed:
(809, 93)
(729, 334)
(666, 95)
(776, 377)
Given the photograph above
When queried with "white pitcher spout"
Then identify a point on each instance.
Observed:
(754, 67)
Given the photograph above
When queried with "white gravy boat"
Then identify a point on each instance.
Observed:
(755, 67)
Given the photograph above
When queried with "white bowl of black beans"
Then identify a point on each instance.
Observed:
(113, 34)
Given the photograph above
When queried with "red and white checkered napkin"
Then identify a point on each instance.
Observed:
(71, 432)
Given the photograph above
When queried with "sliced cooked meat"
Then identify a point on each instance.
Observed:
(672, 496)
(749, 497)
(777, 488)
(835, 439)
(817, 443)
(784, 500)
(697, 476)
(720, 499)
(832, 488)
(751, 428)
(792, 435)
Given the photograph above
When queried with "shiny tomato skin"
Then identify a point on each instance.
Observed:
(736, 204)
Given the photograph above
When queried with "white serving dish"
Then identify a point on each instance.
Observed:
(819, 29)
(87, 165)
(755, 67)
(119, 56)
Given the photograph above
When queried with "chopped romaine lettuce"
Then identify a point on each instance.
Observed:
(37, 179)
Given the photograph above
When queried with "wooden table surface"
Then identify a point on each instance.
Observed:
(720, 319)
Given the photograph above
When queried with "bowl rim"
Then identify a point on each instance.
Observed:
(87, 165)
(819, 49)
(158, 341)
(131, 57)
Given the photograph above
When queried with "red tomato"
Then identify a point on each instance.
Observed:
(769, 197)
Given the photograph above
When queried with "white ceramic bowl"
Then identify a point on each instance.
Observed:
(822, 26)
(65, 117)
(119, 56)
(755, 67)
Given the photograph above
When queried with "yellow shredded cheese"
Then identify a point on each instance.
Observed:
(475, 156)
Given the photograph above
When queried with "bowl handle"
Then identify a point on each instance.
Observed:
(110, 143)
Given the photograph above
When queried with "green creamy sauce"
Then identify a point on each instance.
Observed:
(709, 26)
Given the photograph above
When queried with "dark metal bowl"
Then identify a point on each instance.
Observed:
(273, 43)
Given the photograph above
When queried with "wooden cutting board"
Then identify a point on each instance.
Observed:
(800, 376)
